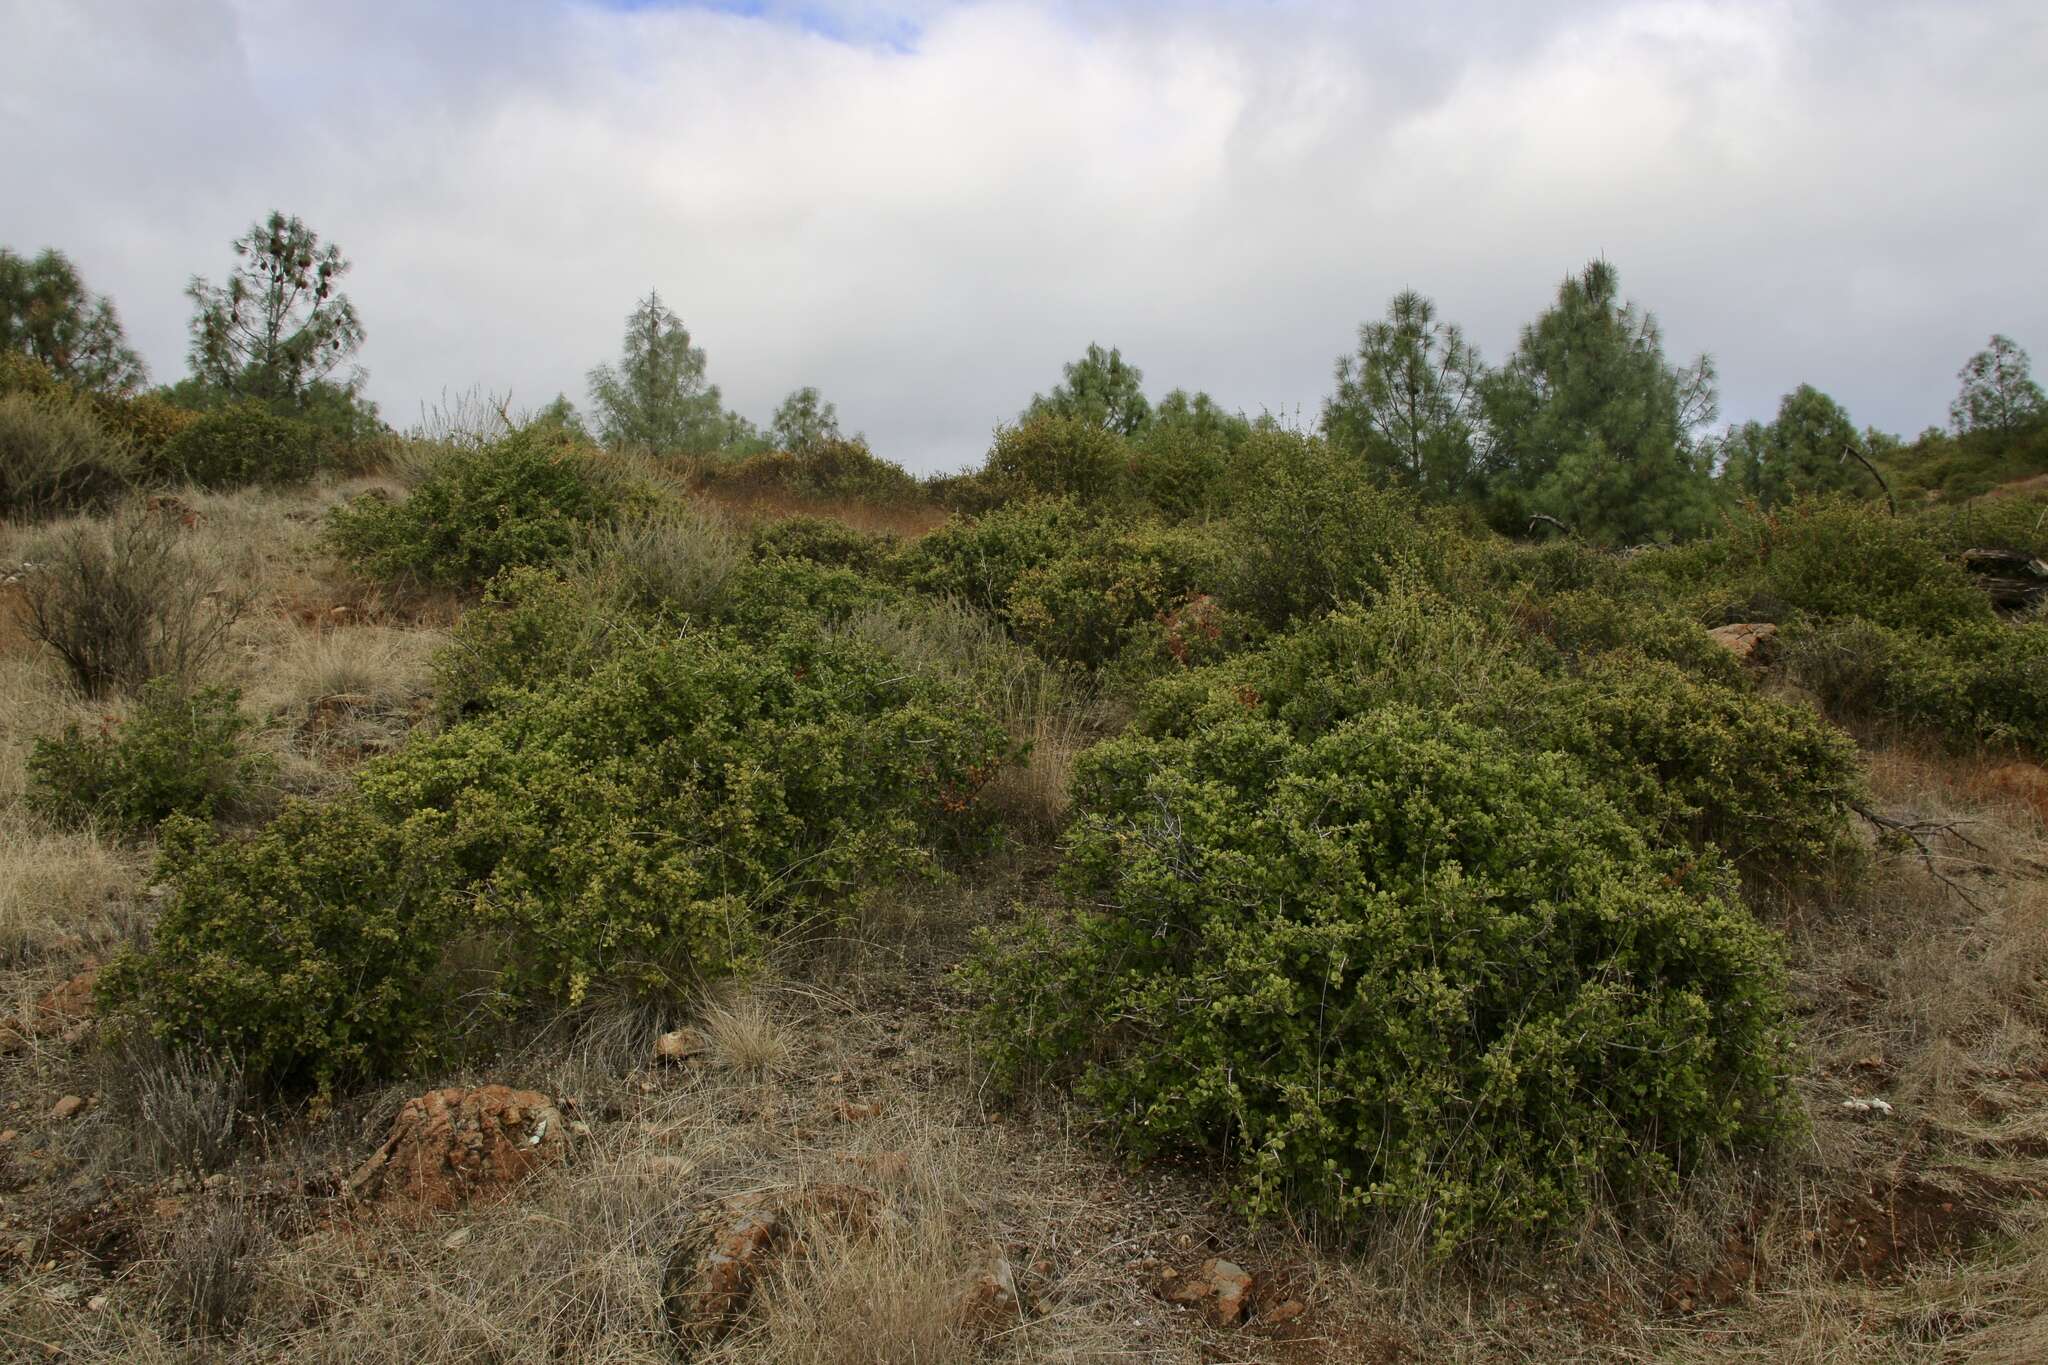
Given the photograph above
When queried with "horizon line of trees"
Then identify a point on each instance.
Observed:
(1587, 424)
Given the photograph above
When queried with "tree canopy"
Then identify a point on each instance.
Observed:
(1407, 403)
(1101, 388)
(279, 327)
(1998, 393)
(657, 399)
(1591, 425)
(46, 311)
(803, 420)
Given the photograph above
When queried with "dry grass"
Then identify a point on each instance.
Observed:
(60, 890)
(748, 1034)
(750, 507)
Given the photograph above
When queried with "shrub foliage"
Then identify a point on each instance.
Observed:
(1405, 966)
(523, 500)
(180, 753)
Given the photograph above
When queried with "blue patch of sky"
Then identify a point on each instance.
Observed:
(871, 25)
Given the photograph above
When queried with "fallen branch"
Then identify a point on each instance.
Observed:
(1864, 460)
(1919, 833)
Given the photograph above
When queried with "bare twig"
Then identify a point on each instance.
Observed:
(1919, 833)
(1864, 460)
(1541, 516)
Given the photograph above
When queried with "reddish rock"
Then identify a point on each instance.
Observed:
(66, 1004)
(992, 1301)
(681, 1045)
(1221, 1289)
(449, 1147)
(1750, 642)
(714, 1271)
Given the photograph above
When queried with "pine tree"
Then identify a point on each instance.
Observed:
(1407, 403)
(1998, 394)
(803, 420)
(277, 329)
(46, 310)
(1591, 426)
(657, 399)
(1100, 388)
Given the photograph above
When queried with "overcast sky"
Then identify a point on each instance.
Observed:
(925, 208)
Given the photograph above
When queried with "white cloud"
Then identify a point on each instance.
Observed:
(927, 214)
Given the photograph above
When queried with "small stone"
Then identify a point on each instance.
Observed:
(1221, 1289)
(67, 1108)
(992, 1301)
(1750, 642)
(679, 1046)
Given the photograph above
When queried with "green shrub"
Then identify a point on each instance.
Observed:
(1999, 523)
(666, 814)
(825, 541)
(1697, 758)
(56, 456)
(127, 602)
(1181, 468)
(179, 753)
(1767, 782)
(1405, 966)
(1055, 456)
(980, 560)
(656, 816)
(1983, 684)
(1120, 586)
(831, 467)
(520, 501)
(1311, 529)
(1834, 558)
(534, 628)
(307, 952)
(243, 443)
(1589, 622)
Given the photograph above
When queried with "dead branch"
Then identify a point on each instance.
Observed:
(1920, 833)
(1864, 460)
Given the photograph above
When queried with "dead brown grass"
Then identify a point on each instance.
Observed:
(749, 507)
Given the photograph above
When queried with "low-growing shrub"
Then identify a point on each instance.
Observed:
(307, 952)
(667, 814)
(660, 815)
(1835, 558)
(1120, 585)
(1984, 684)
(1698, 758)
(1311, 529)
(127, 602)
(1403, 967)
(520, 501)
(831, 467)
(1055, 456)
(243, 443)
(179, 752)
(978, 561)
(826, 541)
(57, 456)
